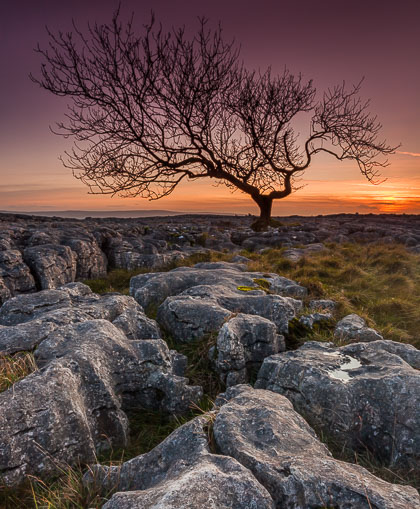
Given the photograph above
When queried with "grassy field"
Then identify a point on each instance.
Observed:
(379, 282)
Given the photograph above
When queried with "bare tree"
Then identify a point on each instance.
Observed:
(151, 110)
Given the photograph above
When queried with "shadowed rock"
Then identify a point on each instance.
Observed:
(74, 405)
(15, 277)
(352, 329)
(181, 472)
(52, 265)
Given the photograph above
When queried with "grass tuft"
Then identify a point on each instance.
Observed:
(15, 367)
(199, 368)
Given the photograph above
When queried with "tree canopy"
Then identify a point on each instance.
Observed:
(150, 110)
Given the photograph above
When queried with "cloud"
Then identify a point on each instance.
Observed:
(414, 154)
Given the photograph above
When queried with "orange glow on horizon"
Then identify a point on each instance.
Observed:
(334, 189)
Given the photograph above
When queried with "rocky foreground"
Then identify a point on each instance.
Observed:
(99, 357)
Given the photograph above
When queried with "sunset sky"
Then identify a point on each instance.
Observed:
(327, 41)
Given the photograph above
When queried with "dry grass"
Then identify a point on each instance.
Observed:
(67, 490)
(365, 459)
(15, 367)
(380, 282)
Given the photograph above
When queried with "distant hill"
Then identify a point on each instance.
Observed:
(82, 214)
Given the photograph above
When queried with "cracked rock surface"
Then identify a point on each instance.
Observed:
(262, 431)
(364, 395)
(198, 300)
(30, 318)
(352, 329)
(90, 373)
(154, 288)
(242, 344)
(267, 456)
(182, 472)
(88, 248)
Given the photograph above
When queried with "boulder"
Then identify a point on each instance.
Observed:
(203, 309)
(352, 329)
(24, 308)
(91, 262)
(52, 265)
(261, 431)
(15, 277)
(364, 395)
(182, 472)
(153, 288)
(267, 456)
(309, 321)
(242, 344)
(30, 318)
(5, 293)
(296, 254)
(322, 305)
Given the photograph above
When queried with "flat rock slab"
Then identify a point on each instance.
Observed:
(198, 300)
(153, 288)
(202, 310)
(364, 395)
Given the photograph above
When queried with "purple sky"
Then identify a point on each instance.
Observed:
(328, 41)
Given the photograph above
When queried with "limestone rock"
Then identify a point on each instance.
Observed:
(51, 264)
(91, 262)
(261, 430)
(203, 309)
(364, 395)
(352, 329)
(242, 344)
(322, 305)
(154, 288)
(15, 277)
(74, 405)
(181, 472)
(30, 318)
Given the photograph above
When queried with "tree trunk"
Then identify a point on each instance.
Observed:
(265, 204)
